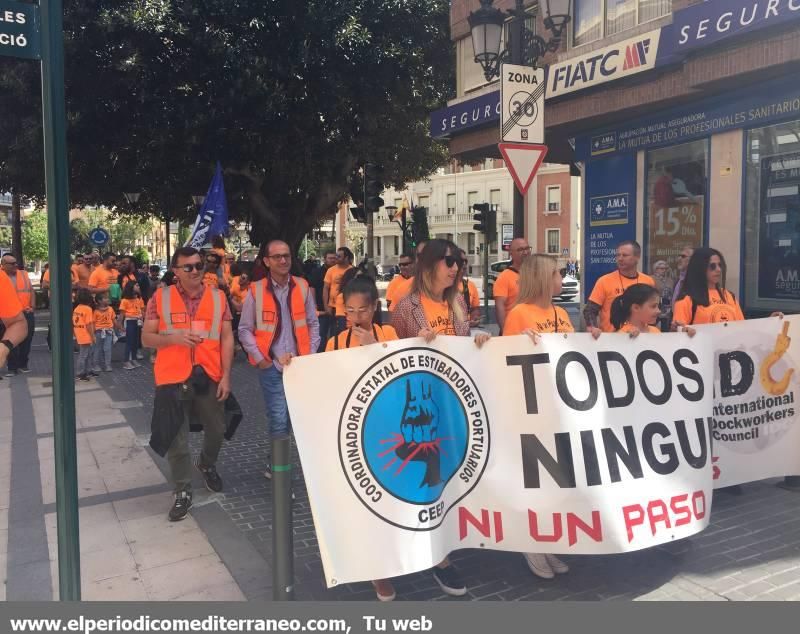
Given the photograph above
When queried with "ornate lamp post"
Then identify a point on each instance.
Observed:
(402, 223)
(524, 47)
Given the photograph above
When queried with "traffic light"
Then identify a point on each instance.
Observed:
(419, 226)
(373, 188)
(486, 220)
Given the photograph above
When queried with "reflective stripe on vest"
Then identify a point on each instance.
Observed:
(26, 289)
(259, 297)
(166, 313)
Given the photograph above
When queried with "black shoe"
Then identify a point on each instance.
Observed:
(11, 373)
(210, 476)
(183, 502)
(450, 581)
(93, 373)
(84, 377)
(25, 370)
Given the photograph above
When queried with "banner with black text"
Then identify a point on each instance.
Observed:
(573, 445)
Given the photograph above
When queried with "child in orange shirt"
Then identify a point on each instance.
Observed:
(83, 329)
(637, 310)
(104, 318)
(131, 312)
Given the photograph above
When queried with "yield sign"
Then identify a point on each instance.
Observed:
(523, 161)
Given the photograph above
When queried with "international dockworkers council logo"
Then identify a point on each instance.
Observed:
(414, 437)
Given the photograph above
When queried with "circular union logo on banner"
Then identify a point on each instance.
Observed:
(413, 437)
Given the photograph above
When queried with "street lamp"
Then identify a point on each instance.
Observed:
(524, 46)
(198, 201)
(391, 210)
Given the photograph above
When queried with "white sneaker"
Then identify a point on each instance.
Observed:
(139, 355)
(96, 369)
(136, 364)
(557, 566)
(128, 366)
(539, 565)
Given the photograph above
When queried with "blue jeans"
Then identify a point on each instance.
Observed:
(102, 348)
(131, 339)
(275, 401)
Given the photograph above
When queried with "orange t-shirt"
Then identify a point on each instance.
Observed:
(333, 277)
(474, 299)
(104, 319)
(132, 308)
(717, 311)
(611, 286)
(382, 333)
(398, 288)
(507, 286)
(438, 315)
(626, 327)
(10, 305)
(237, 292)
(81, 273)
(82, 318)
(211, 280)
(524, 316)
(73, 274)
(102, 278)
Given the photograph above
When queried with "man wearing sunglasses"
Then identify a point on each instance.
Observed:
(506, 288)
(189, 325)
(683, 264)
(400, 286)
(13, 324)
(279, 322)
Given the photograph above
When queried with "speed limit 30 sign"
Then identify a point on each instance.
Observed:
(522, 97)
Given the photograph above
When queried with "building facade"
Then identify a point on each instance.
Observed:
(449, 196)
(683, 118)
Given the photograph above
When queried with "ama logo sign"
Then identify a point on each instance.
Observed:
(413, 437)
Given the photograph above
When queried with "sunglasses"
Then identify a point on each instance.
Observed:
(404, 264)
(713, 266)
(197, 266)
(451, 260)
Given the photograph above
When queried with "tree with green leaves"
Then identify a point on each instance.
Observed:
(34, 236)
(292, 96)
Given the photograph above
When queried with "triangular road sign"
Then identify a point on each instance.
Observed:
(523, 161)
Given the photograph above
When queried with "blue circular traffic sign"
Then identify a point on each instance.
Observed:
(99, 236)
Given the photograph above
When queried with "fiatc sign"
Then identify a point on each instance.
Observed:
(19, 30)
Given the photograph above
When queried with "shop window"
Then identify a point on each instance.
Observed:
(553, 199)
(772, 218)
(554, 241)
(676, 203)
(596, 19)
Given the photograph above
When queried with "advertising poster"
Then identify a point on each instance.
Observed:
(610, 216)
(779, 228)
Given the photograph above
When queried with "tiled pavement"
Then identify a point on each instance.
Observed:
(750, 551)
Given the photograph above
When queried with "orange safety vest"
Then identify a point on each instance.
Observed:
(24, 290)
(268, 315)
(174, 363)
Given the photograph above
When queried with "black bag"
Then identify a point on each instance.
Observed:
(199, 381)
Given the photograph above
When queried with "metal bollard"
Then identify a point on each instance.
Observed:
(282, 521)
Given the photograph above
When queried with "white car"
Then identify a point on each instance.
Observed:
(570, 287)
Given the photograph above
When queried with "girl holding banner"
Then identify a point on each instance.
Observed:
(434, 308)
(636, 310)
(534, 314)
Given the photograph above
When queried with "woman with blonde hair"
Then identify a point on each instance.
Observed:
(534, 312)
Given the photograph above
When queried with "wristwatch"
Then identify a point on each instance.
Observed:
(7, 344)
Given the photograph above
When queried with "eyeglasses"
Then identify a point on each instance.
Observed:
(197, 266)
(280, 256)
(452, 260)
(404, 264)
(524, 249)
(713, 266)
(14, 263)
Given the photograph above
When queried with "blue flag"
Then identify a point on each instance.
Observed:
(212, 220)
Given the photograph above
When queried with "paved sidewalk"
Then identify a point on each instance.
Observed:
(130, 551)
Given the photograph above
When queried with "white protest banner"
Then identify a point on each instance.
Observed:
(756, 427)
(569, 446)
